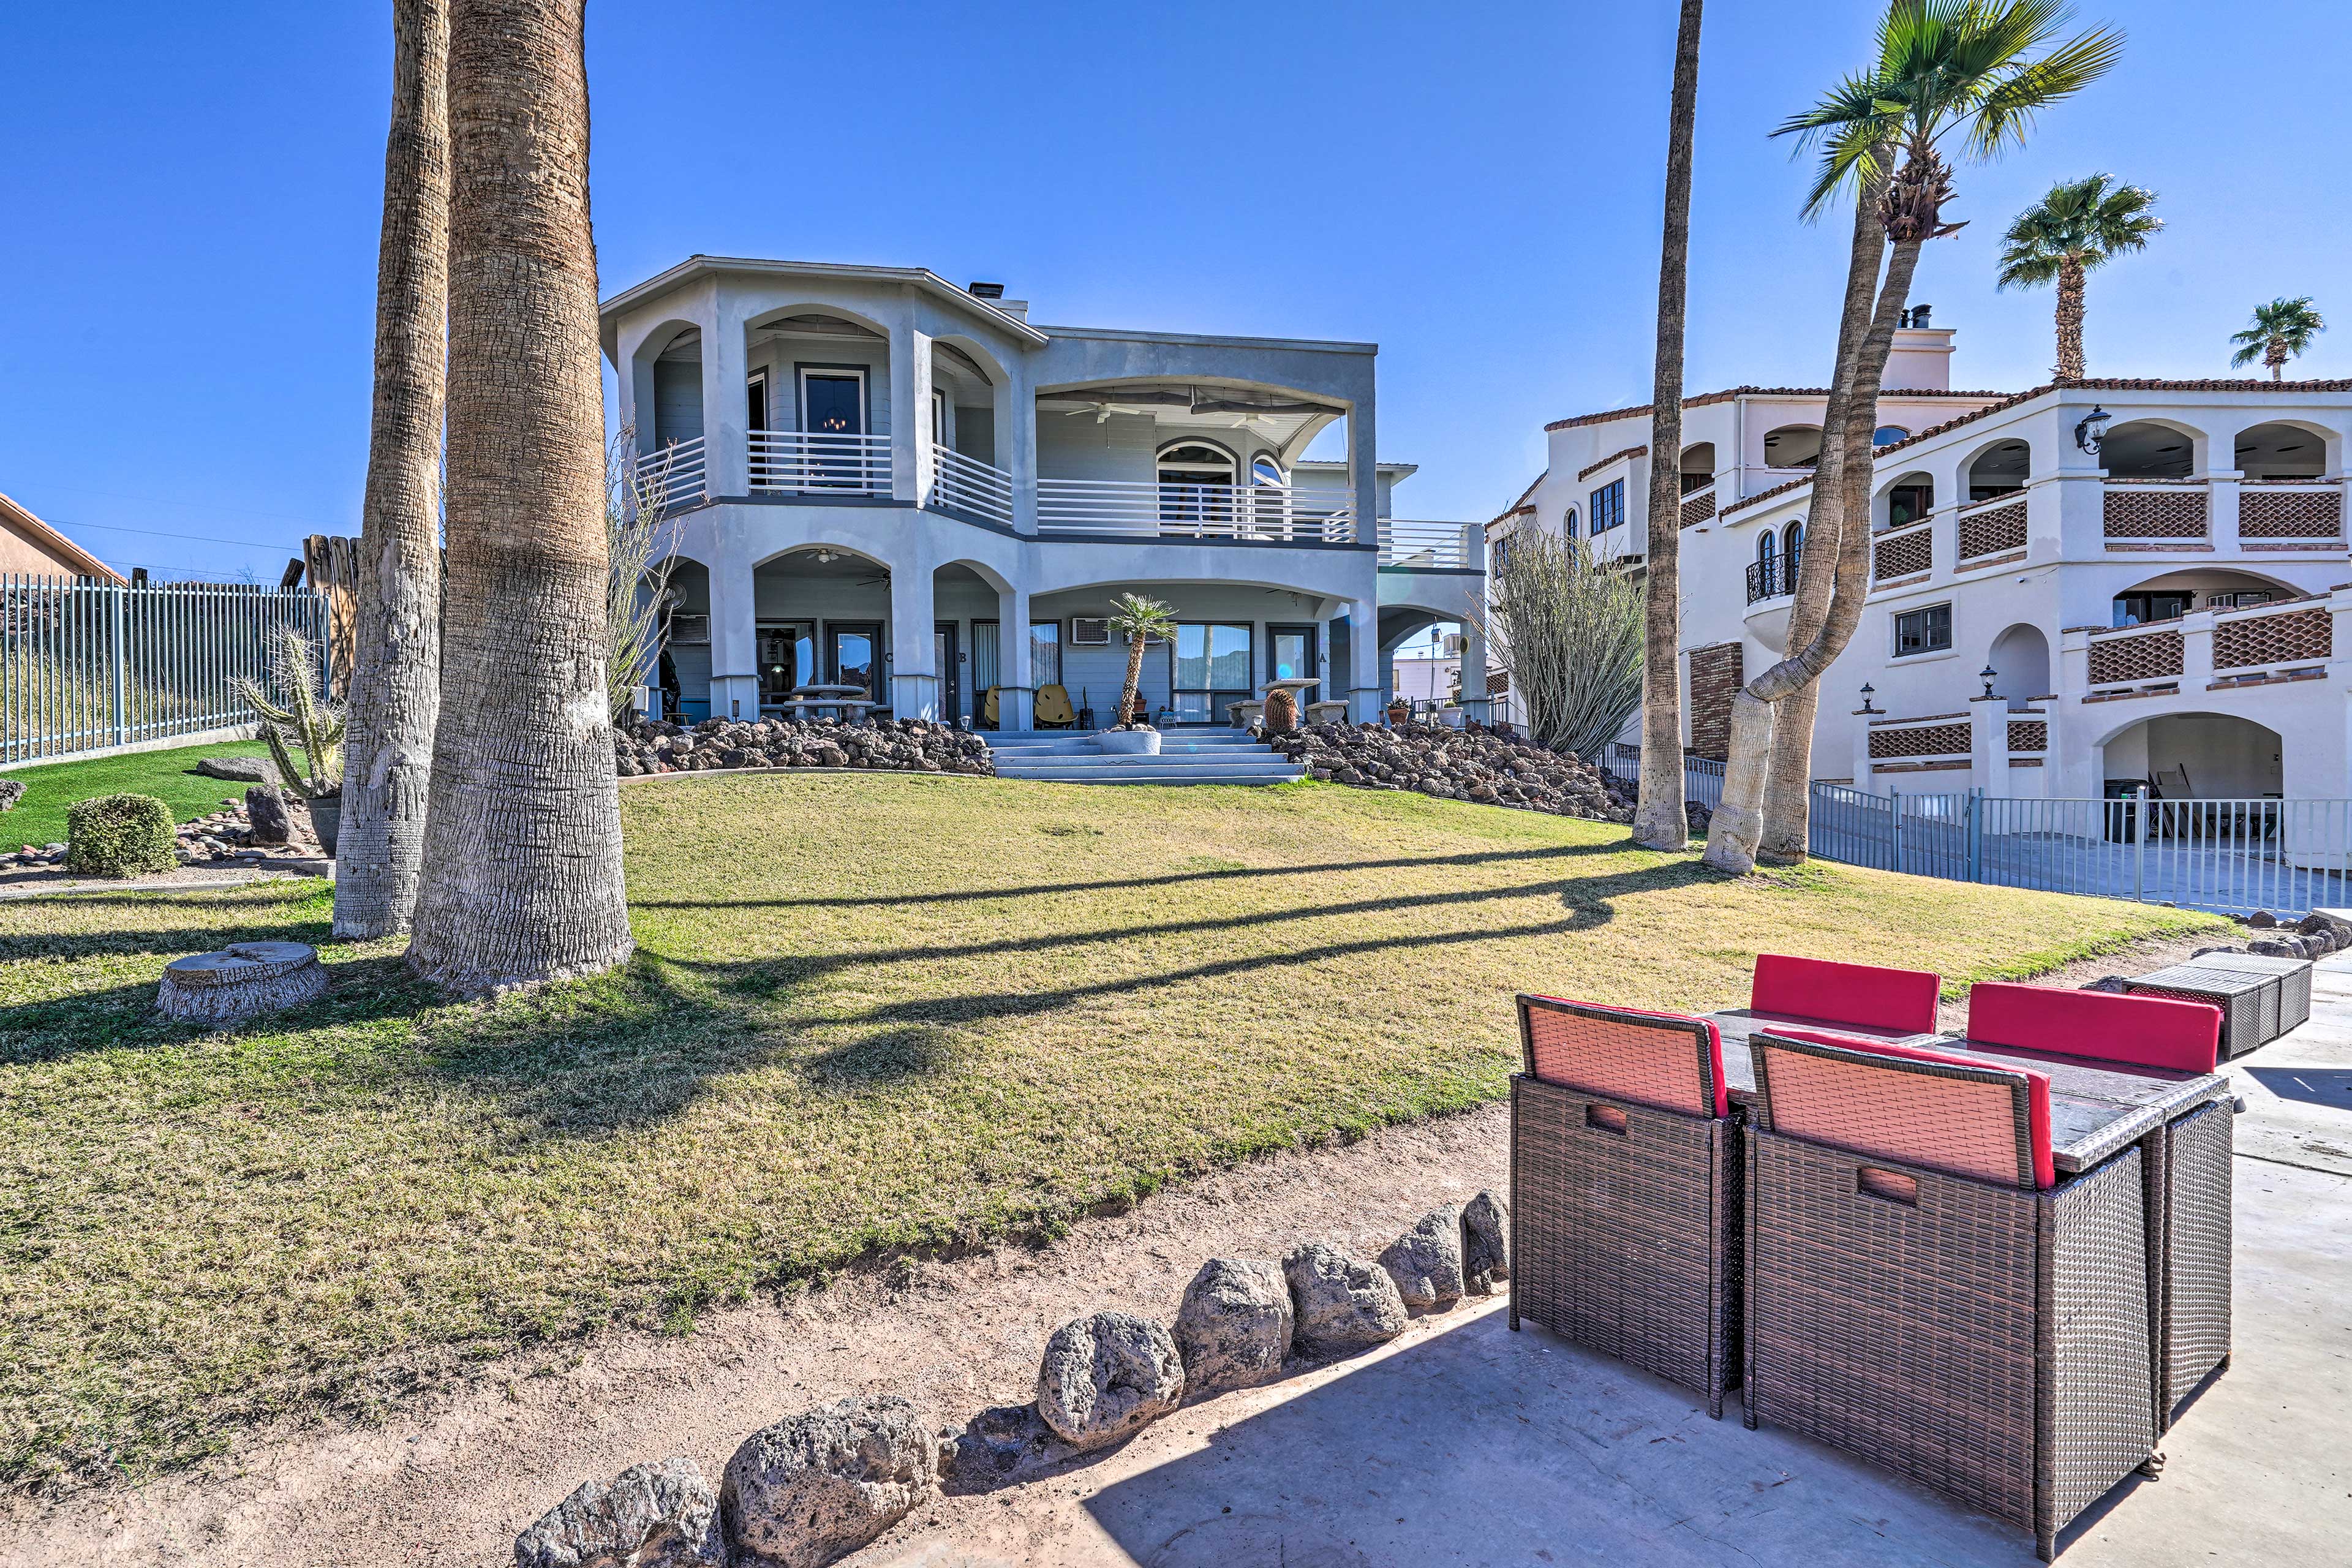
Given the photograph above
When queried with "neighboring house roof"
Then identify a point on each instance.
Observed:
(922, 277)
(1589, 469)
(1728, 393)
(69, 555)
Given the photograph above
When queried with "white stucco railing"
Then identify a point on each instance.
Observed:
(967, 484)
(1431, 544)
(674, 475)
(806, 463)
(1277, 514)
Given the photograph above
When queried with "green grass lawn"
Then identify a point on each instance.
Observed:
(868, 1012)
(169, 777)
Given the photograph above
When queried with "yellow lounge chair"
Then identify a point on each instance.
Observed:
(988, 709)
(1054, 711)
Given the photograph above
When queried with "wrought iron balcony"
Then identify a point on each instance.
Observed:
(1773, 577)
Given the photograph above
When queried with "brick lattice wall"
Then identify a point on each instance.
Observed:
(2288, 637)
(2290, 514)
(1698, 508)
(1921, 741)
(2029, 734)
(2147, 657)
(1903, 554)
(2135, 513)
(1714, 677)
(1992, 530)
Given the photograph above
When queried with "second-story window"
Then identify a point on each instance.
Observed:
(1568, 524)
(1607, 507)
(1928, 630)
(1908, 504)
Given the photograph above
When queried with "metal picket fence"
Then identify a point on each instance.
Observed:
(84, 667)
(1702, 776)
(2230, 856)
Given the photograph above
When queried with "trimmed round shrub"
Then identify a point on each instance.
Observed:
(120, 836)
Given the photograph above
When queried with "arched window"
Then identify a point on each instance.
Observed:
(1568, 524)
(1265, 471)
(1792, 541)
(1887, 434)
(1768, 544)
(1195, 463)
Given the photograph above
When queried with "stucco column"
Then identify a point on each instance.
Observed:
(734, 627)
(2071, 523)
(1016, 697)
(914, 657)
(1989, 743)
(1863, 779)
(2222, 509)
(1018, 421)
(1363, 472)
(725, 425)
(910, 411)
(2196, 652)
(1366, 658)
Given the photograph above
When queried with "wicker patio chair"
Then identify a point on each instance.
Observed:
(2186, 1161)
(2249, 1002)
(1922, 1293)
(2293, 977)
(1623, 1190)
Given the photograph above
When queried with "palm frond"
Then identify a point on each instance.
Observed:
(2006, 109)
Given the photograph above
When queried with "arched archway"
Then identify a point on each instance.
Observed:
(665, 385)
(1792, 445)
(2151, 450)
(2021, 663)
(1697, 467)
(1907, 498)
(2196, 756)
(1999, 469)
(2282, 450)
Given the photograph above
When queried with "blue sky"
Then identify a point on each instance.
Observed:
(186, 289)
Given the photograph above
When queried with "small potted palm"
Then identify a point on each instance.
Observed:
(1139, 620)
(307, 723)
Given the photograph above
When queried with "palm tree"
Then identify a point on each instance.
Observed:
(1660, 820)
(1972, 73)
(2282, 331)
(2080, 224)
(395, 684)
(1139, 620)
(523, 838)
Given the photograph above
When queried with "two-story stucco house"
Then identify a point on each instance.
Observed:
(885, 482)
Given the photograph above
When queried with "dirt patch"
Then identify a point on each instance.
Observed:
(450, 1480)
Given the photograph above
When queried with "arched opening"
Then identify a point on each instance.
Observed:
(2021, 663)
(1909, 499)
(822, 634)
(2175, 594)
(1887, 434)
(1793, 447)
(1793, 541)
(968, 649)
(1265, 469)
(1697, 467)
(682, 672)
(964, 403)
(2281, 451)
(1567, 523)
(2196, 756)
(677, 389)
(2000, 469)
(818, 387)
(2148, 449)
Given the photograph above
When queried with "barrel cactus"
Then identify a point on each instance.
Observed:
(1281, 712)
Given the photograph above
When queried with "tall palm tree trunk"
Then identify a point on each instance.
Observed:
(2274, 356)
(1659, 818)
(524, 839)
(396, 644)
(1785, 838)
(1737, 824)
(2070, 319)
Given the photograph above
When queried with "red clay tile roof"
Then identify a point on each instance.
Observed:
(1589, 469)
(1728, 393)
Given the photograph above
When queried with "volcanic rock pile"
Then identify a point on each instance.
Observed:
(899, 745)
(1474, 764)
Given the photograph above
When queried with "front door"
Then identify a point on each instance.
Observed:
(833, 404)
(853, 657)
(1291, 656)
(1213, 670)
(943, 648)
(787, 660)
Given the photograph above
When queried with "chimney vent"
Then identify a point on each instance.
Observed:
(985, 291)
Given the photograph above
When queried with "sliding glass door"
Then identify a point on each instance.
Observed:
(1214, 660)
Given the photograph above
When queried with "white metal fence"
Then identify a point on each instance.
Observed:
(2230, 856)
(86, 666)
(1702, 776)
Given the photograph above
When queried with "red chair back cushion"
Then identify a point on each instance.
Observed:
(1902, 1000)
(1877, 1098)
(2147, 1031)
(1664, 1059)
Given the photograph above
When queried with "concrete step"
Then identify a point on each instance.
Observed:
(1150, 770)
(1219, 755)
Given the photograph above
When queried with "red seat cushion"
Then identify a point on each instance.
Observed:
(2148, 1031)
(1945, 1123)
(1903, 1000)
(1669, 1060)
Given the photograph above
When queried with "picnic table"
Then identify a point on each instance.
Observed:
(842, 699)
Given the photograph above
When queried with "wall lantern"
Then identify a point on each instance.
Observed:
(1987, 675)
(1866, 690)
(2094, 425)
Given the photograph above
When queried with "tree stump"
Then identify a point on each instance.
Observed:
(249, 979)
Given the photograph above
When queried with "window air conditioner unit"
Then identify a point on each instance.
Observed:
(689, 631)
(1089, 631)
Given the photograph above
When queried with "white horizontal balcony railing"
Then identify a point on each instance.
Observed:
(966, 484)
(1275, 514)
(797, 462)
(1431, 544)
(673, 476)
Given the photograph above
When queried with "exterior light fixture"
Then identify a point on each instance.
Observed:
(1987, 675)
(2092, 427)
(1866, 690)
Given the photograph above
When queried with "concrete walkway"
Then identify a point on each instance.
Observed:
(1464, 1443)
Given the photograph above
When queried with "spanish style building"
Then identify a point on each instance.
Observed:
(2078, 590)
(881, 482)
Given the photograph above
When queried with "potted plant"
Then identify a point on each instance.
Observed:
(1139, 620)
(307, 721)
